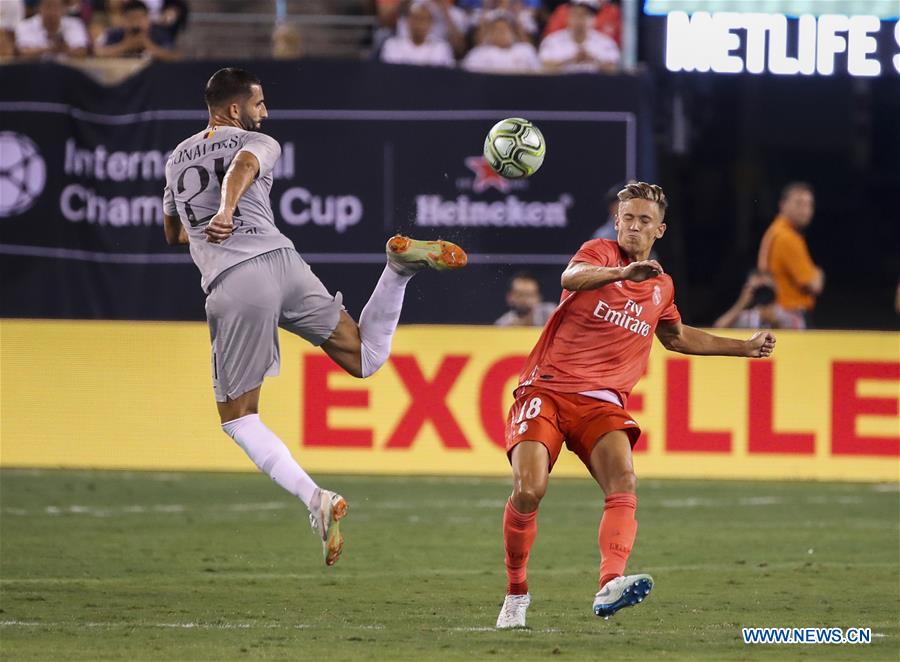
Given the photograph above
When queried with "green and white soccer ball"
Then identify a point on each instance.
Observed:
(514, 148)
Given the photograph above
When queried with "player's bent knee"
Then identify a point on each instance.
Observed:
(355, 370)
(526, 498)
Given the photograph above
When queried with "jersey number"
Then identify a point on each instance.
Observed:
(204, 181)
(530, 410)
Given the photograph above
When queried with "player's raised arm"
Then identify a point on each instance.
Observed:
(241, 173)
(678, 337)
(585, 276)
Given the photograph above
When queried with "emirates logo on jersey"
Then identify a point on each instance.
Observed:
(628, 318)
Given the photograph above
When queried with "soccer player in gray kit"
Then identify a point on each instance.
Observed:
(216, 200)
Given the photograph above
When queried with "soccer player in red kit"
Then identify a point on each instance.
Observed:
(575, 386)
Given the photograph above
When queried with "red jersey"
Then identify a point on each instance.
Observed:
(601, 339)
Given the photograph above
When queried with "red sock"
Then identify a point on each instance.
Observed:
(617, 531)
(519, 532)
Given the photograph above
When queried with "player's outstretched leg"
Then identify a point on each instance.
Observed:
(241, 422)
(612, 467)
(362, 349)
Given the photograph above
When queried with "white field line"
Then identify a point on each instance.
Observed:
(180, 626)
(752, 564)
(306, 626)
(162, 508)
(701, 502)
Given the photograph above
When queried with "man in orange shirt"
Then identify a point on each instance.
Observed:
(575, 386)
(783, 252)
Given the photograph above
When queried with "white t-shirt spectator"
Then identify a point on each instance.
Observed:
(401, 50)
(524, 17)
(560, 46)
(520, 58)
(31, 33)
(438, 30)
(11, 14)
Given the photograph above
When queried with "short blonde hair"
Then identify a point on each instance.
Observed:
(644, 191)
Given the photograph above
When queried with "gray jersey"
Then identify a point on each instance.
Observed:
(194, 175)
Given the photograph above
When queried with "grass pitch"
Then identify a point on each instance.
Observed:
(141, 566)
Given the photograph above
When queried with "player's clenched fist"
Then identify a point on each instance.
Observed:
(643, 270)
(220, 227)
(761, 345)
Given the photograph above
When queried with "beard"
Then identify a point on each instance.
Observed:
(248, 123)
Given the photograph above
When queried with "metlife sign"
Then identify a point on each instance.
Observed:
(727, 42)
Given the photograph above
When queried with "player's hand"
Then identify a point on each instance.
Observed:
(638, 272)
(761, 345)
(220, 227)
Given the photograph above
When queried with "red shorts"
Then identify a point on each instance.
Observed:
(555, 418)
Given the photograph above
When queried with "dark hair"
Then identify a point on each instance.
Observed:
(228, 84)
(790, 187)
(523, 275)
(132, 5)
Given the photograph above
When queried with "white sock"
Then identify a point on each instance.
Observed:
(272, 457)
(379, 318)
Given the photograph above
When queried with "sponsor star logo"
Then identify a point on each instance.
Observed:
(485, 177)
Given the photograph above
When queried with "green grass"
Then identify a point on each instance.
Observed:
(139, 566)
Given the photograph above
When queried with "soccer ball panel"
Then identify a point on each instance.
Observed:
(505, 146)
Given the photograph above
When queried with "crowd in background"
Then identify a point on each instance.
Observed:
(497, 36)
(35, 29)
(501, 36)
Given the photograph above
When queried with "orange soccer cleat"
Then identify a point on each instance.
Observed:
(325, 521)
(407, 256)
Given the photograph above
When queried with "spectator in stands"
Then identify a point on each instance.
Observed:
(137, 37)
(287, 42)
(388, 13)
(756, 308)
(80, 9)
(448, 23)
(170, 15)
(524, 13)
(173, 17)
(608, 20)
(11, 14)
(418, 48)
(784, 254)
(579, 48)
(525, 302)
(499, 52)
(50, 32)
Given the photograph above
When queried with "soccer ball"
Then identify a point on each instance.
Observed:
(514, 148)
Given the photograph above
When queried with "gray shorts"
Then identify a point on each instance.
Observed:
(246, 305)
